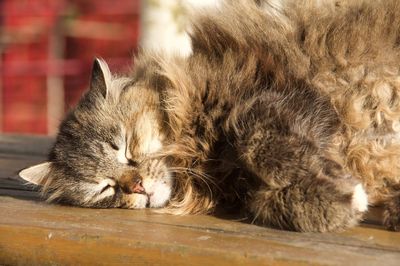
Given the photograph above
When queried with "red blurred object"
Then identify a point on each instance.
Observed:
(48, 48)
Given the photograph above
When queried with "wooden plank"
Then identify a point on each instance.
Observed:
(50, 234)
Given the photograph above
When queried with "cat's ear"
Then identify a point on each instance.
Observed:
(101, 77)
(36, 174)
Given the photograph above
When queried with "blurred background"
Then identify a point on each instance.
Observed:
(47, 48)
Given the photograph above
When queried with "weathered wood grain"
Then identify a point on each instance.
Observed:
(44, 233)
(33, 232)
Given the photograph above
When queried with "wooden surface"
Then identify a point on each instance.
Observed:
(33, 232)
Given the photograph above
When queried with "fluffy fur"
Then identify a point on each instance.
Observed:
(285, 109)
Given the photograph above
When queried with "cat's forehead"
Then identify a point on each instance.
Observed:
(137, 93)
(117, 89)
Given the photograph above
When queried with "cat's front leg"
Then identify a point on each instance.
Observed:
(309, 205)
(392, 210)
(300, 189)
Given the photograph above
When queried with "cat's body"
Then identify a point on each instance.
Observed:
(289, 109)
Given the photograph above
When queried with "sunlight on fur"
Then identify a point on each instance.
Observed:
(287, 112)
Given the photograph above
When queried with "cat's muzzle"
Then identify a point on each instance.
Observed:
(131, 182)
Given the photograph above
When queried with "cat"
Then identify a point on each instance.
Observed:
(287, 110)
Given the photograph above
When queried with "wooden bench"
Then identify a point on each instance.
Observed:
(33, 232)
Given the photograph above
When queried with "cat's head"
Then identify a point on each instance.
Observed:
(104, 153)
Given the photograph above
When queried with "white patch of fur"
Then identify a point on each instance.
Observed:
(97, 192)
(106, 182)
(275, 9)
(360, 199)
(273, 6)
(128, 154)
(105, 194)
(154, 145)
(148, 131)
(159, 191)
(162, 193)
(121, 154)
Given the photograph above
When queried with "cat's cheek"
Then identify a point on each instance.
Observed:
(161, 193)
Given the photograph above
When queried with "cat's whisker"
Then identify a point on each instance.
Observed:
(202, 176)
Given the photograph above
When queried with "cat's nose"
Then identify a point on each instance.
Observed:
(131, 182)
(138, 187)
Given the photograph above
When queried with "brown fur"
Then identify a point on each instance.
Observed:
(282, 109)
(347, 50)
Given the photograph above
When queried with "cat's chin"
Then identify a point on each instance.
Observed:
(159, 196)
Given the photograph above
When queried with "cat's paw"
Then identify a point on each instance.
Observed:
(135, 201)
(315, 204)
(392, 213)
(347, 184)
(359, 201)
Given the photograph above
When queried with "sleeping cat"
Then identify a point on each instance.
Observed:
(288, 110)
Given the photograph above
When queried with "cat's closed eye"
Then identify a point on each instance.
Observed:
(113, 146)
(105, 188)
(133, 163)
